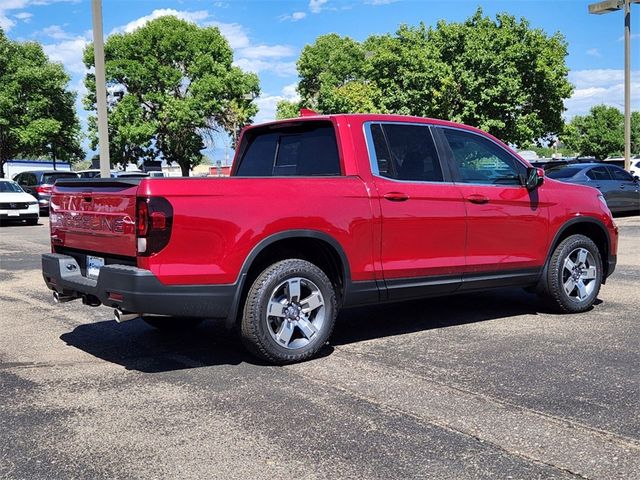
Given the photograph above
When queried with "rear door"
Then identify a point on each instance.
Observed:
(423, 215)
(507, 226)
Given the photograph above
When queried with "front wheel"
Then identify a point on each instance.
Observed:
(289, 312)
(574, 275)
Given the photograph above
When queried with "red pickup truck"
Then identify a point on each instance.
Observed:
(325, 212)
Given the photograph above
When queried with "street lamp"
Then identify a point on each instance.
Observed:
(612, 6)
(101, 89)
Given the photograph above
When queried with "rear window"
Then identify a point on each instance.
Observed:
(50, 178)
(566, 172)
(301, 149)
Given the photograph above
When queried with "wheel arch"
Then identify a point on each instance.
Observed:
(315, 246)
(589, 227)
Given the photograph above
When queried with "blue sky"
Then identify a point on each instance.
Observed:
(268, 35)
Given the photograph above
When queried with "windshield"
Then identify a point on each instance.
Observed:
(10, 187)
(50, 178)
(564, 172)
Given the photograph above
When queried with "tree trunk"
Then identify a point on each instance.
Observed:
(2, 167)
(185, 169)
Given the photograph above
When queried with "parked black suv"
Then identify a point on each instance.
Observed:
(39, 183)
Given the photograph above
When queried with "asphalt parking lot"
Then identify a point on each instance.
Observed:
(477, 386)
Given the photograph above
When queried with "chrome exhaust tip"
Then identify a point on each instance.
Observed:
(124, 316)
(59, 298)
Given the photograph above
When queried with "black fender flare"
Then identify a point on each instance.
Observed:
(570, 223)
(270, 240)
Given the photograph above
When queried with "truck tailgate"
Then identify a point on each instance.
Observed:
(94, 215)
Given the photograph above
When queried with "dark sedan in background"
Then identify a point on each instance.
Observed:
(39, 184)
(620, 189)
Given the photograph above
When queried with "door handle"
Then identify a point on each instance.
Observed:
(622, 187)
(396, 196)
(478, 199)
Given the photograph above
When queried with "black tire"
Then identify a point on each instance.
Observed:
(558, 275)
(32, 221)
(173, 324)
(267, 336)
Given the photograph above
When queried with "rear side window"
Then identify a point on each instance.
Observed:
(405, 152)
(598, 173)
(620, 174)
(50, 178)
(303, 149)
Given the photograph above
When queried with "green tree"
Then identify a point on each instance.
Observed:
(598, 134)
(178, 87)
(287, 109)
(37, 112)
(498, 74)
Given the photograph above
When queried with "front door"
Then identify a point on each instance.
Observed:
(507, 225)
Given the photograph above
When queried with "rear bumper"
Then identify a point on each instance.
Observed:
(137, 290)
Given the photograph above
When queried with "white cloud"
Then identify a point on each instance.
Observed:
(267, 51)
(56, 32)
(594, 52)
(291, 92)
(294, 17)
(316, 5)
(194, 17)
(6, 6)
(233, 32)
(599, 86)
(281, 69)
(267, 104)
(69, 53)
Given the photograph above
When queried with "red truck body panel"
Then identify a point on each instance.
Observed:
(387, 230)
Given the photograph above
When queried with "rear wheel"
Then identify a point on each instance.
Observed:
(574, 275)
(289, 312)
(173, 324)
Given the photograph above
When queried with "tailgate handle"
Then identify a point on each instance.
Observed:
(86, 197)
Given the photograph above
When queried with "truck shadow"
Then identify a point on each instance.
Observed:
(137, 346)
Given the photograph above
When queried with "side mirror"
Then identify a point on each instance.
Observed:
(534, 178)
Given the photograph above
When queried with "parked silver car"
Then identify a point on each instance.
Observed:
(619, 188)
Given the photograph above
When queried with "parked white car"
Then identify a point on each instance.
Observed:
(15, 204)
(635, 167)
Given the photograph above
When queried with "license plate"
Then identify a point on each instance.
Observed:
(94, 264)
(13, 214)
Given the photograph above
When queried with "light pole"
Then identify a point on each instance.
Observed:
(612, 6)
(101, 89)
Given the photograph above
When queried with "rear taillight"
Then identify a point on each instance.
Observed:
(154, 218)
(46, 189)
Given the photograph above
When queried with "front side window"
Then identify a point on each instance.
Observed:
(479, 160)
(405, 152)
(620, 174)
(299, 149)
